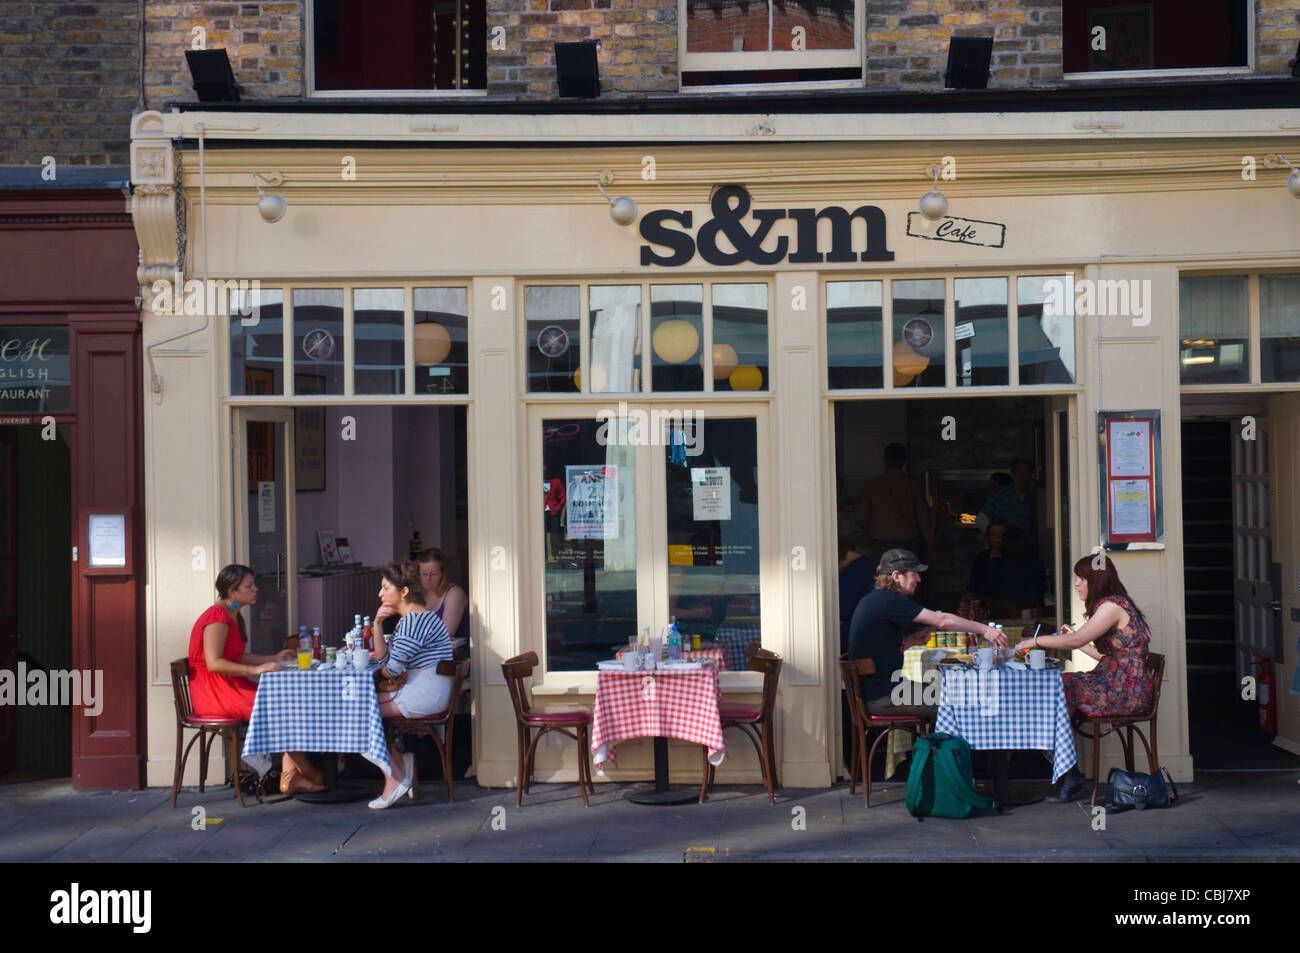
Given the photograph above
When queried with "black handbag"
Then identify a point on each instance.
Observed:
(1140, 791)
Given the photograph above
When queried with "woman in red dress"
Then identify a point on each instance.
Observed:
(220, 666)
(1116, 635)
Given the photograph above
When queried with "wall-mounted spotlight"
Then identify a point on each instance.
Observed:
(622, 209)
(934, 204)
(1293, 180)
(214, 81)
(270, 207)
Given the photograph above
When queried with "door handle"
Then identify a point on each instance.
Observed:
(1276, 605)
(279, 587)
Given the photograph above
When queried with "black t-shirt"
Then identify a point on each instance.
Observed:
(876, 631)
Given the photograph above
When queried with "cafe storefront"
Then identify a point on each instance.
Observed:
(656, 415)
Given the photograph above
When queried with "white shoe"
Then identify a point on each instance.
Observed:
(403, 787)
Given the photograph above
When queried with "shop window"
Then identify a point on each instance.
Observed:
(740, 337)
(378, 347)
(615, 347)
(677, 337)
(1279, 327)
(981, 331)
(1108, 36)
(1046, 335)
(1213, 329)
(441, 341)
(919, 349)
(256, 341)
(551, 313)
(318, 341)
(854, 338)
(733, 42)
(416, 45)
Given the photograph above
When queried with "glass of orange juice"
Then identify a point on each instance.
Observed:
(304, 660)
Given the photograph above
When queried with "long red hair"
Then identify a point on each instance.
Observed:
(1101, 583)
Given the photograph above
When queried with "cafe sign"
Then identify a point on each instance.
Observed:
(961, 231)
(35, 370)
(730, 205)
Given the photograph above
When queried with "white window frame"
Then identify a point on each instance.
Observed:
(773, 59)
(309, 74)
(1249, 68)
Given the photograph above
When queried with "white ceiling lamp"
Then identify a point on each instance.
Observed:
(1292, 180)
(622, 209)
(934, 204)
(270, 207)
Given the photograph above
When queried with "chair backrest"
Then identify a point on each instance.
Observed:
(181, 688)
(459, 672)
(851, 671)
(1155, 669)
(769, 663)
(515, 670)
(751, 648)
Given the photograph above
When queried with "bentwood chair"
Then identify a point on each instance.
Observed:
(572, 723)
(755, 722)
(1103, 725)
(209, 729)
(429, 724)
(851, 671)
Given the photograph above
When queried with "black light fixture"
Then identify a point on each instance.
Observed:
(576, 71)
(968, 62)
(214, 81)
(1295, 63)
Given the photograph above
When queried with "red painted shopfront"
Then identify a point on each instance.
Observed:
(67, 288)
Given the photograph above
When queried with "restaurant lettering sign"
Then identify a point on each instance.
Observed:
(35, 370)
(730, 205)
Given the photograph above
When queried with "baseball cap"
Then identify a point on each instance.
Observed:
(900, 560)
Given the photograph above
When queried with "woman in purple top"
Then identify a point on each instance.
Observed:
(446, 598)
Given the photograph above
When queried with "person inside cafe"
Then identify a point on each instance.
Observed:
(892, 509)
(222, 669)
(1015, 503)
(857, 576)
(1006, 578)
(1116, 635)
(882, 629)
(452, 601)
(408, 662)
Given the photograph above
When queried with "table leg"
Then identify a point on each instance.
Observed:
(662, 793)
(1002, 783)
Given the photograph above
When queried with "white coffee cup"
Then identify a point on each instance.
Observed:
(360, 658)
(631, 661)
(1037, 658)
(985, 657)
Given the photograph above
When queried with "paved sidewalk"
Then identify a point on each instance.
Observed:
(1221, 817)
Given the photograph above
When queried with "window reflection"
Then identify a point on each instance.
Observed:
(676, 336)
(1046, 331)
(740, 337)
(853, 333)
(551, 313)
(318, 340)
(380, 362)
(1212, 329)
(920, 347)
(981, 331)
(615, 356)
(257, 347)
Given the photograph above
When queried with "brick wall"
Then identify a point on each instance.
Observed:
(68, 81)
(637, 49)
(907, 40)
(1277, 31)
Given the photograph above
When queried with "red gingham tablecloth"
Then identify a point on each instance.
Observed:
(663, 703)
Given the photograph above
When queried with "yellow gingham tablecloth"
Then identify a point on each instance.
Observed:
(916, 662)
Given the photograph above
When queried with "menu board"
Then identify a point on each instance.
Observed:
(1129, 475)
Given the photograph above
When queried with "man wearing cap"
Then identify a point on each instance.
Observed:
(881, 623)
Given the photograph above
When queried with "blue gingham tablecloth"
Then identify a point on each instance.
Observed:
(1008, 708)
(319, 710)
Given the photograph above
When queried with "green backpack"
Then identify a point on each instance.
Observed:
(939, 784)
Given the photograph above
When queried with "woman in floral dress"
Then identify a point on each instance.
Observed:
(1116, 635)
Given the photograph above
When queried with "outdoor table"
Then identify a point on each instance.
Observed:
(1004, 709)
(323, 709)
(667, 702)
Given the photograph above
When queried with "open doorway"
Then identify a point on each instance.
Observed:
(35, 608)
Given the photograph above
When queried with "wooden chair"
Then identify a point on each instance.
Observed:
(756, 723)
(861, 761)
(429, 724)
(515, 671)
(228, 729)
(1155, 669)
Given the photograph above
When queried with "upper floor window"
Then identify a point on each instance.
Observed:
(414, 46)
(735, 42)
(1108, 36)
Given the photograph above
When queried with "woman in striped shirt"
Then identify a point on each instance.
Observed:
(415, 648)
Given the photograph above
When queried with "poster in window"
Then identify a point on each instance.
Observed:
(592, 508)
(1128, 40)
(711, 493)
(309, 448)
(261, 434)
